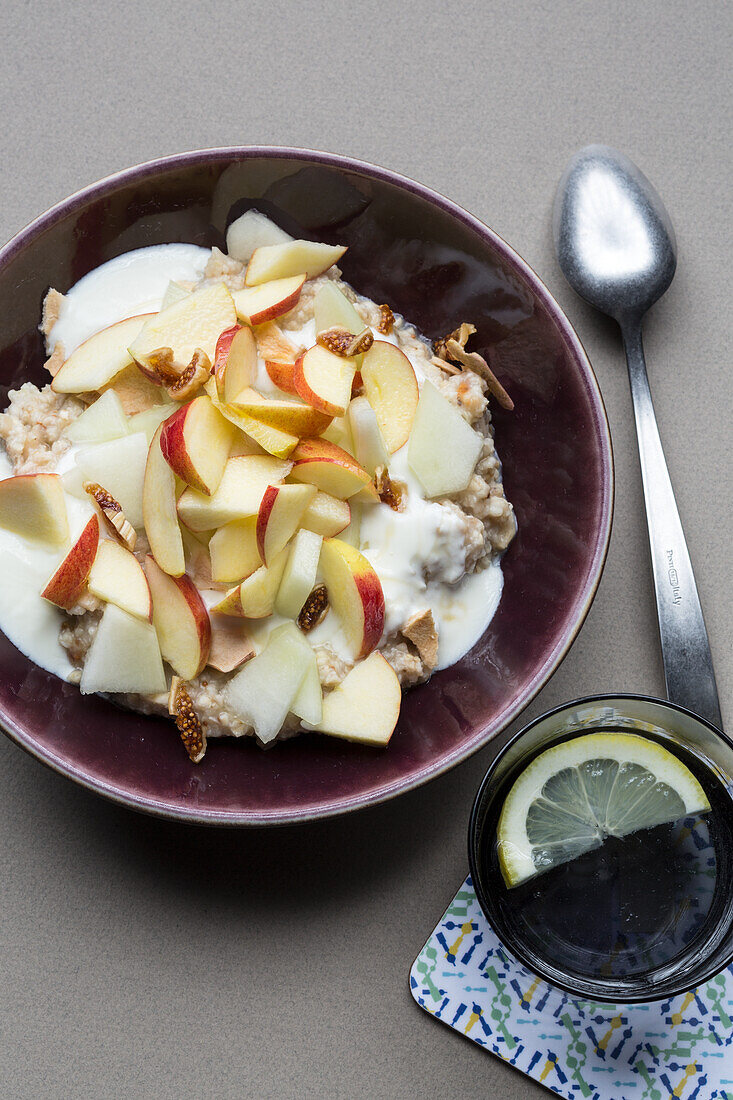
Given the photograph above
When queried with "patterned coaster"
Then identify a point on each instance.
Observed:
(680, 1048)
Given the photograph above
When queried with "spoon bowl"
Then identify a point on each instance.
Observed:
(613, 236)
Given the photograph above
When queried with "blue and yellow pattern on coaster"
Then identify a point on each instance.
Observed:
(680, 1049)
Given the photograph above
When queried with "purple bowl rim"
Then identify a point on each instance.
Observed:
(573, 344)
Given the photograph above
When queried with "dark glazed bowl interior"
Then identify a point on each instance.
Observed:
(438, 266)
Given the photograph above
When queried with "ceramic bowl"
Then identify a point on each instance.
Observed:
(437, 265)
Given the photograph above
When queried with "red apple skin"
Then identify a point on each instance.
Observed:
(372, 598)
(263, 517)
(191, 595)
(223, 344)
(173, 446)
(70, 579)
(282, 375)
(305, 393)
(277, 309)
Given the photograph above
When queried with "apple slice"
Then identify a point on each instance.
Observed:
(104, 419)
(326, 515)
(70, 579)
(196, 321)
(119, 467)
(117, 577)
(355, 593)
(159, 511)
(230, 644)
(181, 621)
(195, 442)
(282, 261)
(392, 390)
(100, 358)
(365, 706)
(352, 533)
(272, 440)
(339, 432)
(257, 304)
(33, 506)
(307, 704)
(264, 690)
(369, 446)
(329, 468)
(149, 420)
(235, 363)
(300, 572)
(173, 293)
(136, 392)
(254, 598)
(444, 448)
(282, 375)
(287, 416)
(124, 656)
(250, 231)
(239, 494)
(234, 551)
(331, 307)
(324, 380)
(279, 516)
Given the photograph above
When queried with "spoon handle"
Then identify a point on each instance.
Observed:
(688, 664)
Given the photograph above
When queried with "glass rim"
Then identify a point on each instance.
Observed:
(593, 990)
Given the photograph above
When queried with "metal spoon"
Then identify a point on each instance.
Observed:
(616, 246)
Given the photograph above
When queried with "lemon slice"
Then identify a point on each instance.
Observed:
(577, 793)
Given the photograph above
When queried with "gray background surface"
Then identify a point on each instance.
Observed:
(140, 958)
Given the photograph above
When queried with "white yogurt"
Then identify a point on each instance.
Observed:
(399, 545)
(124, 287)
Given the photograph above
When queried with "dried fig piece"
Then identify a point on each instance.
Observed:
(386, 323)
(342, 342)
(390, 492)
(191, 378)
(420, 629)
(113, 515)
(193, 735)
(314, 609)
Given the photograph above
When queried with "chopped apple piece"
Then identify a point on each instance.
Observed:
(300, 574)
(324, 380)
(234, 551)
(282, 375)
(280, 513)
(33, 506)
(230, 643)
(326, 515)
(365, 706)
(195, 442)
(339, 432)
(173, 293)
(272, 440)
(392, 390)
(70, 578)
(159, 511)
(250, 231)
(352, 533)
(119, 467)
(193, 322)
(124, 656)
(117, 577)
(257, 304)
(149, 420)
(444, 448)
(331, 307)
(355, 593)
(239, 494)
(104, 419)
(235, 364)
(136, 392)
(329, 468)
(308, 702)
(369, 446)
(100, 358)
(274, 345)
(254, 598)
(288, 416)
(282, 261)
(181, 621)
(264, 690)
